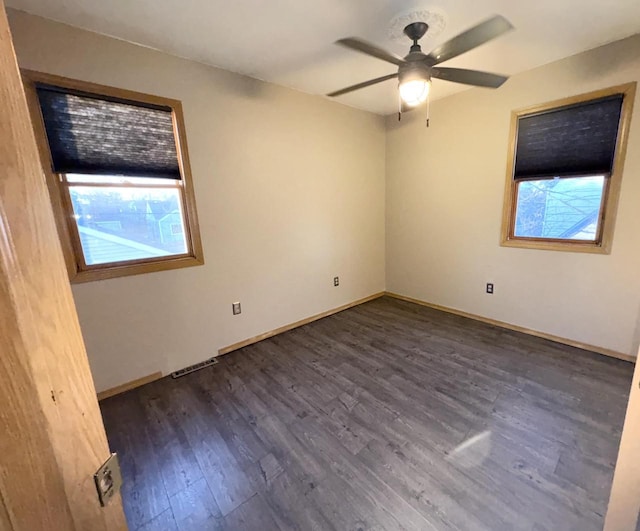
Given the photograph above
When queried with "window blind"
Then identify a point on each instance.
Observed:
(100, 135)
(575, 140)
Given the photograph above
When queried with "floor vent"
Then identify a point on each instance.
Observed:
(194, 368)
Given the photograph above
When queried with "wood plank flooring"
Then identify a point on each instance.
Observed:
(386, 416)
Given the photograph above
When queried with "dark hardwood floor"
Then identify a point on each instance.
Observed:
(385, 416)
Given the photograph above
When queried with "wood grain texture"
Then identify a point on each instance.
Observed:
(388, 415)
(302, 322)
(623, 512)
(612, 192)
(52, 438)
(516, 328)
(78, 270)
(129, 385)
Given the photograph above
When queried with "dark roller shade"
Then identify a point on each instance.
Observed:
(97, 135)
(575, 140)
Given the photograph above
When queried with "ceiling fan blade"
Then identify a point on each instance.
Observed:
(362, 85)
(354, 43)
(483, 32)
(468, 77)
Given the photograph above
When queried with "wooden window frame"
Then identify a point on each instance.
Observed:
(613, 181)
(58, 186)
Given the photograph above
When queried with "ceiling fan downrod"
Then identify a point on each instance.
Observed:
(415, 70)
(415, 31)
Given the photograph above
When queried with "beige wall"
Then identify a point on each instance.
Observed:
(444, 206)
(290, 193)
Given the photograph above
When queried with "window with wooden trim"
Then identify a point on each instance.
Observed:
(564, 172)
(118, 174)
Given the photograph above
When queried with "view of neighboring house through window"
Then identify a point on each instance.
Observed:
(565, 172)
(135, 219)
(563, 209)
(119, 177)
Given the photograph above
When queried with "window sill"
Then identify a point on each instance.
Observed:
(546, 245)
(128, 269)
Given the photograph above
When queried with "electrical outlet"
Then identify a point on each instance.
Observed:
(490, 288)
(336, 281)
(236, 308)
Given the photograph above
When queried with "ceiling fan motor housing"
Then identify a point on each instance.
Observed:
(418, 66)
(414, 70)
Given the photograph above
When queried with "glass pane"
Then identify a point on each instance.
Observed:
(564, 209)
(117, 224)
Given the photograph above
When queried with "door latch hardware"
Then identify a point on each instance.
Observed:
(108, 479)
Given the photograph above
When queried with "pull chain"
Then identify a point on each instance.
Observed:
(428, 105)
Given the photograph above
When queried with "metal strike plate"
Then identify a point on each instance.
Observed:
(108, 479)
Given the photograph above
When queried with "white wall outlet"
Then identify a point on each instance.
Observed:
(237, 309)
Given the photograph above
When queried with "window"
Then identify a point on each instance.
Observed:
(564, 172)
(118, 176)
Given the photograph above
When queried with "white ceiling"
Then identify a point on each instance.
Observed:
(289, 42)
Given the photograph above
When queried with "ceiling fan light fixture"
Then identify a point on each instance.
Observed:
(416, 69)
(415, 83)
(414, 91)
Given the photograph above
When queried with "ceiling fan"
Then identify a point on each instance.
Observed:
(417, 68)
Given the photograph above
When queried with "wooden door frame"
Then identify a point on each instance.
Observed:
(624, 501)
(52, 438)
